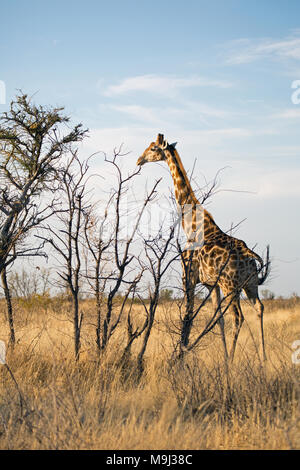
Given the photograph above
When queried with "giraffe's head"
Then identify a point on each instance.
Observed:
(156, 151)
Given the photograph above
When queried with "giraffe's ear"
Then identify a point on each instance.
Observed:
(164, 145)
(173, 145)
(160, 139)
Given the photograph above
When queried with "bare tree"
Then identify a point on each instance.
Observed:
(159, 255)
(66, 237)
(25, 284)
(113, 254)
(95, 229)
(132, 332)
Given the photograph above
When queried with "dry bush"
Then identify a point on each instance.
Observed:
(52, 402)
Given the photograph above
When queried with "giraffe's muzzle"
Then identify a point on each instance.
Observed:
(141, 161)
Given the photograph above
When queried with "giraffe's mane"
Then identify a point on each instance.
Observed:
(186, 179)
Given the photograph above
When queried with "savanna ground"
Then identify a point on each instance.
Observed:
(52, 402)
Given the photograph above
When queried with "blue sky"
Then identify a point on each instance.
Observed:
(215, 76)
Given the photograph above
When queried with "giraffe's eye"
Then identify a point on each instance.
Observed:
(153, 148)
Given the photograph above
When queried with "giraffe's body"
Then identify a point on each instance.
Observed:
(216, 259)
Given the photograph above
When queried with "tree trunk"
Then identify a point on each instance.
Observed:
(140, 359)
(188, 318)
(98, 309)
(10, 318)
(76, 324)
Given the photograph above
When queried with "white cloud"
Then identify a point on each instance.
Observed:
(287, 114)
(283, 183)
(196, 109)
(283, 151)
(185, 113)
(247, 50)
(159, 84)
(141, 113)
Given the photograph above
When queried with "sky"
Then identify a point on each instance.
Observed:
(221, 78)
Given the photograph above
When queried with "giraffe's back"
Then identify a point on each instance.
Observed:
(228, 261)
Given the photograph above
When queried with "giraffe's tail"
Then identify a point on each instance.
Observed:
(264, 266)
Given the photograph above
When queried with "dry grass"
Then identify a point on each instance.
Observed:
(90, 405)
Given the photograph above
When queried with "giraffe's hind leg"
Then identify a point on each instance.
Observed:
(238, 319)
(232, 305)
(252, 294)
(216, 301)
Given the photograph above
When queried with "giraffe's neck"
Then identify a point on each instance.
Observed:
(186, 198)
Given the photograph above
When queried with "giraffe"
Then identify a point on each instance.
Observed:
(218, 261)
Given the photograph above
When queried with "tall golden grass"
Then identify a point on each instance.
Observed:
(48, 401)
